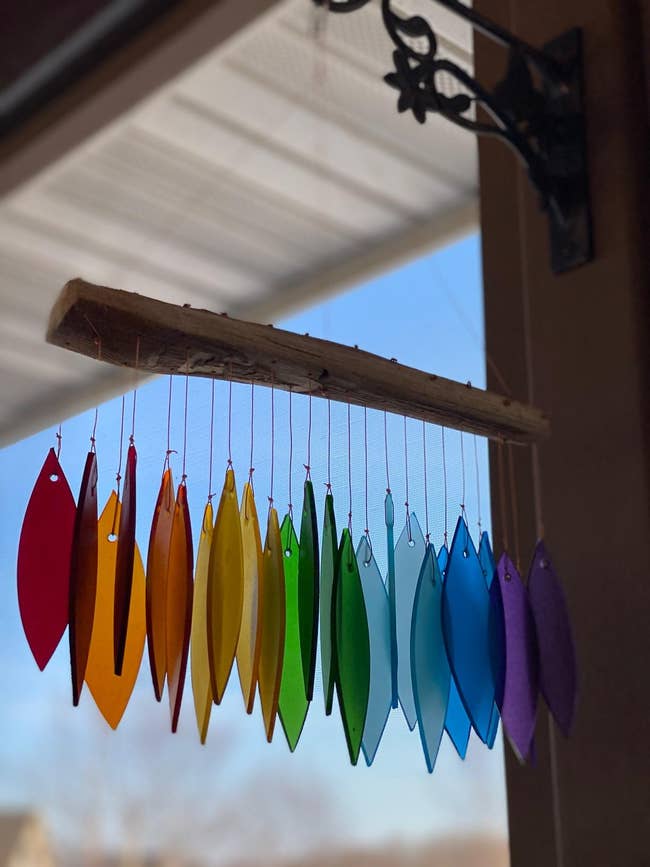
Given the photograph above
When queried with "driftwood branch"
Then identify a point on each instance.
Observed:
(179, 340)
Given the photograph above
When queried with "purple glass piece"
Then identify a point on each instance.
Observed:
(558, 676)
(522, 665)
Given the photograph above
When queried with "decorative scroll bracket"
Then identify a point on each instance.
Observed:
(537, 110)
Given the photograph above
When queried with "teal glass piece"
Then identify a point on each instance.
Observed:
(389, 511)
(378, 614)
(329, 552)
(429, 665)
(352, 647)
(457, 724)
(409, 553)
(308, 588)
(489, 568)
(293, 703)
(465, 620)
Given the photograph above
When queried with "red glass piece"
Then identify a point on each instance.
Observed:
(83, 576)
(180, 589)
(44, 560)
(124, 563)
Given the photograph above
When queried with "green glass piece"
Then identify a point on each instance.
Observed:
(390, 583)
(308, 588)
(352, 646)
(293, 700)
(329, 553)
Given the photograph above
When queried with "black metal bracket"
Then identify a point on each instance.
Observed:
(537, 110)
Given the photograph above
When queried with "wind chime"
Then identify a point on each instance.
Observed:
(457, 640)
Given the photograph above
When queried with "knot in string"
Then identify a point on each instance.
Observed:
(307, 470)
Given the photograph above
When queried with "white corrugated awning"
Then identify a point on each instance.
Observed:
(275, 170)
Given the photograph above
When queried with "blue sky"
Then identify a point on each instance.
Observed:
(427, 314)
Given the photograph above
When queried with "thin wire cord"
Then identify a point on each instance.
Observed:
(118, 475)
(308, 464)
(502, 498)
(462, 467)
(251, 468)
(478, 488)
(349, 472)
(386, 452)
(135, 389)
(444, 481)
(169, 424)
(272, 440)
(59, 438)
(406, 475)
(328, 484)
(210, 494)
(513, 505)
(94, 431)
(427, 534)
(187, 384)
(291, 453)
(230, 422)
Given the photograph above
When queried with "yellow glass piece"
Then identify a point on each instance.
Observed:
(225, 588)
(112, 693)
(199, 642)
(248, 647)
(272, 612)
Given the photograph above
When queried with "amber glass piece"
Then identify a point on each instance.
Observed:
(308, 588)
(44, 560)
(293, 697)
(225, 588)
(157, 566)
(248, 646)
(199, 641)
(329, 553)
(352, 647)
(179, 602)
(273, 625)
(112, 693)
(124, 562)
(83, 576)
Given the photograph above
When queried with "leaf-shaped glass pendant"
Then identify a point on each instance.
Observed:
(352, 647)
(225, 588)
(308, 588)
(496, 634)
(429, 665)
(409, 553)
(558, 674)
(44, 560)
(157, 566)
(112, 693)
(83, 576)
(248, 646)
(389, 512)
(522, 666)
(180, 588)
(199, 640)
(457, 724)
(273, 625)
(329, 552)
(293, 702)
(124, 562)
(378, 614)
(465, 614)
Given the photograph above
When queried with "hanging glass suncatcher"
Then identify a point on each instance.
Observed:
(456, 641)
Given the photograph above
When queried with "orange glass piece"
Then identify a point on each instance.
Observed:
(112, 693)
(180, 588)
(157, 566)
(44, 560)
(272, 611)
(248, 646)
(225, 588)
(199, 661)
(125, 559)
(83, 576)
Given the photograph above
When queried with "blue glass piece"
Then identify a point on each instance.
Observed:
(457, 724)
(465, 616)
(429, 666)
(377, 612)
(389, 512)
(409, 553)
(496, 637)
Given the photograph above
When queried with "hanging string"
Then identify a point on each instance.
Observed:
(444, 481)
(272, 439)
(59, 437)
(386, 451)
(118, 475)
(290, 453)
(427, 534)
(328, 484)
(406, 474)
(462, 466)
(210, 494)
(308, 464)
(502, 498)
(135, 389)
(230, 419)
(187, 382)
(513, 506)
(251, 468)
(478, 488)
(169, 424)
(349, 472)
(365, 456)
(94, 432)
